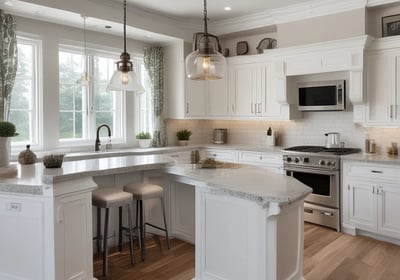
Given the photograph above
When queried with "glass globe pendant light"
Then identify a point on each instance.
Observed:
(206, 63)
(84, 79)
(124, 78)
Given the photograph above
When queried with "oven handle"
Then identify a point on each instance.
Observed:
(312, 170)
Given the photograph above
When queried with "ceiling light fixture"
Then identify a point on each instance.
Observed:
(227, 8)
(206, 63)
(124, 77)
(84, 80)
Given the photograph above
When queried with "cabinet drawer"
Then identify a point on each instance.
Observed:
(262, 159)
(180, 157)
(221, 155)
(372, 171)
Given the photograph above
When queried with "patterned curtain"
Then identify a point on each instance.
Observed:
(8, 62)
(154, 64)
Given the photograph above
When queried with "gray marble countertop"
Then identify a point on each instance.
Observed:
(373, 158)
(246, 181)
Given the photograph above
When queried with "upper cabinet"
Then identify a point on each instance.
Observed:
(383, 87)
(204, 99)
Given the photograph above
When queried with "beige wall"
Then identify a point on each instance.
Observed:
(319, 29)
(374, 16)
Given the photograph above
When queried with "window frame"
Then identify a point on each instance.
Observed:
(36, 130)
(89, 99)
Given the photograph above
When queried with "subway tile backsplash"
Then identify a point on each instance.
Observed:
(309, 130)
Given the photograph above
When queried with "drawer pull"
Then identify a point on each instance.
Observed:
(327, 214)
(377, 171)
(308, 210)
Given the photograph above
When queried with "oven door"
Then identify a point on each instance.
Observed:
(324, 183)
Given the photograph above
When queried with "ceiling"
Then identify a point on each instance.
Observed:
(178, 10)
(215, 8)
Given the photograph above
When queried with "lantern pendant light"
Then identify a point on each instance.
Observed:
(84, 79)
(124, 78)
(206, 63)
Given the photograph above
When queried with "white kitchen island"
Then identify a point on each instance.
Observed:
(249, 222)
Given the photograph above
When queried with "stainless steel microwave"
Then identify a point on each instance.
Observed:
(322, 96)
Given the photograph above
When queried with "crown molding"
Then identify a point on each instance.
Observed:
(301, 11)
(374, 3)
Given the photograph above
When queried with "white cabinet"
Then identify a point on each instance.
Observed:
(221, 155)
(272, 161)
(206, 99)
(371, 198)
(383, 87)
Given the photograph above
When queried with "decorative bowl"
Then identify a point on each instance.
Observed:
(53, 161)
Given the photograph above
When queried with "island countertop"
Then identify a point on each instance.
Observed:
(244, 181)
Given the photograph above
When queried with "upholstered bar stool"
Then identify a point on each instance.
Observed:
(142, 192)
(107, 198)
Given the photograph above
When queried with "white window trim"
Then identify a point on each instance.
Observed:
(37, 101)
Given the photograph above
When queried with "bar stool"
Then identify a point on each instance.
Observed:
(107, 198)
(142, 192)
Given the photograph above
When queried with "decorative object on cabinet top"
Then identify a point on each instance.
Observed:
(53, 161)
(27, 156)
(391, 25)
(242, 48)
(266, 43)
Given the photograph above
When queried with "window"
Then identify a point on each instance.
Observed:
(25, 93)
(83, 109)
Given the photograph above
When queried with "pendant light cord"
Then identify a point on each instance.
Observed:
(205, 19)
(84, 34)
(125, 26)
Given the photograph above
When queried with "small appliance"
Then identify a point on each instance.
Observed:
(322, 96)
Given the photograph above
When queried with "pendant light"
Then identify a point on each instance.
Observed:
(206, 63)
(124, 77)
(84, 79)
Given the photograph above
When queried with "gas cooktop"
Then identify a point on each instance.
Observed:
(321, 149)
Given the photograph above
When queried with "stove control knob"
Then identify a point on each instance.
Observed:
(297, 160)
(306, 160)
(322, 162)
(329, 163)
(288, 159)
(333, 163)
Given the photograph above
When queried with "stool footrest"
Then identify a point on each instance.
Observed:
(157, 227)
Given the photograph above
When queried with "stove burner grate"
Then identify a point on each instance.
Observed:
(321, 149)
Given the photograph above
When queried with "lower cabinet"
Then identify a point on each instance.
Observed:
(371, 200)
(271, 161)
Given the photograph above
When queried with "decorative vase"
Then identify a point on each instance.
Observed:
(145, 143)
(27, 156)
(183, 142)
(5, 152)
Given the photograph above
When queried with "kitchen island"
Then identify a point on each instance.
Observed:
(249, 222)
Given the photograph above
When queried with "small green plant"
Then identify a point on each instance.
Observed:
(7, 129)
(143, 135)
(183, 134)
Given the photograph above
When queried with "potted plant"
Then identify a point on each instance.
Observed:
(144, 139)
(183, 136)
(7, 130)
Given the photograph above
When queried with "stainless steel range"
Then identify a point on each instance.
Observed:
(319, 168)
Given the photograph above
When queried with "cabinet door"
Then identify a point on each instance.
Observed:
(244, 79)
(195, 96)
(388, 210)
(73, 236)
(380, 87)
(217, 98)
(363, 205)
(183, 211)
(270, 94)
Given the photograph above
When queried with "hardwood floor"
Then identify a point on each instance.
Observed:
(328, 255)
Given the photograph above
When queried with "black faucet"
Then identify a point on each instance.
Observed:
(97, 143)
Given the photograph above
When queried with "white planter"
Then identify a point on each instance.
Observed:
(183, 142)
(5, 151)
(145, 143)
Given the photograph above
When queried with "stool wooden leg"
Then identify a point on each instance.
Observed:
(120, 228)
(98, 240)
(131, 245)
(165, 221)
(105, 245)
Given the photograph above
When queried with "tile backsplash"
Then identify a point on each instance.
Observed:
(309, 130)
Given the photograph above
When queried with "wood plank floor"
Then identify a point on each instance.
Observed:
(327, 255)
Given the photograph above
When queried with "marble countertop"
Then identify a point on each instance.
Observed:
(245, 181)
(373, 158)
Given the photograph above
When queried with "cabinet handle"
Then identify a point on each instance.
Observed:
(373, 189)
(252, 111)
(379, 191)
(233, 109)
(187, 107)
(377, 171)
(259, 108)
(348, 187)
(391, 111)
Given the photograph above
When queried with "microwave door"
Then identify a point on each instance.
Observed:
(320, 98)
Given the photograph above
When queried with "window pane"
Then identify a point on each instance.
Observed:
(25, 60)
(66, 97)
(104, 101)
(78, 125)
(22, 124)
(66, 125)
(78, 97)
(21, 94)
(104, 118)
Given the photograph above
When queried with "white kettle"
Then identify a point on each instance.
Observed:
(332, 140)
